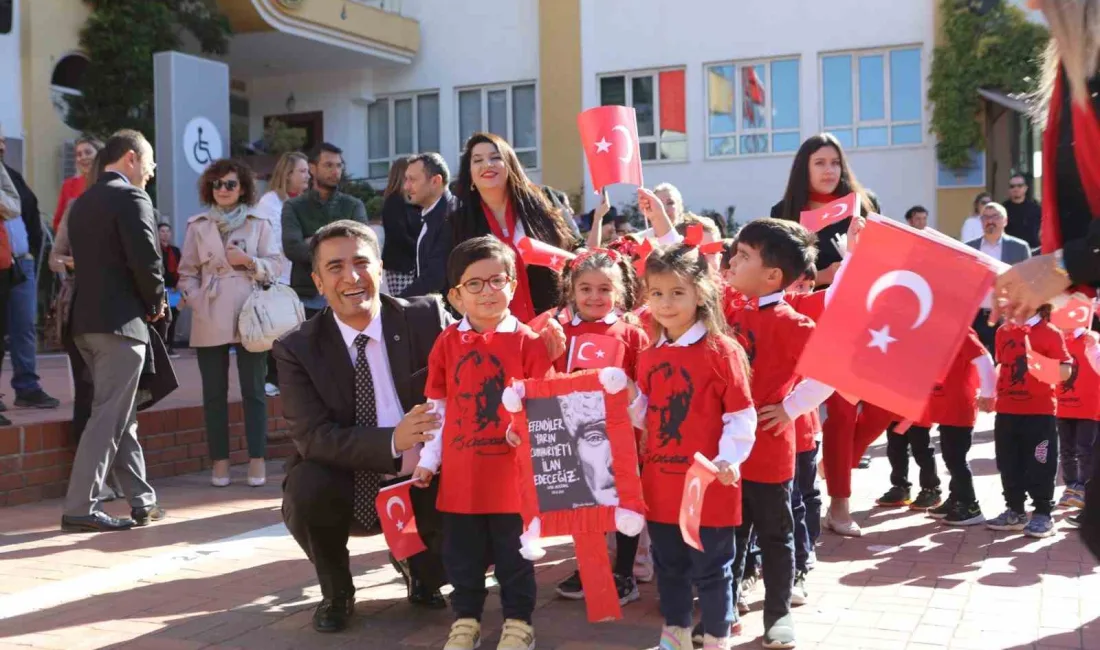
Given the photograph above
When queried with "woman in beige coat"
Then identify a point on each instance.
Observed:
(227, 251)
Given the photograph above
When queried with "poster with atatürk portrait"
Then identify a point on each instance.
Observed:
(570, 451)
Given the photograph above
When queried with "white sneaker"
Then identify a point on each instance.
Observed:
(675, 638)
(465, 635)
(271, 390)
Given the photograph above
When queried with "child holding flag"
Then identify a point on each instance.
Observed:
(1078, 412)
(469, 366)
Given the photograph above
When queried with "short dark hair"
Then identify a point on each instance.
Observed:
(164, 224)
(474, 250)
(1022, 176)
(324, 147)
(121, 143)
(433, 164)
(338, 230)
(220, 168)
(784, 245)
(913, 211)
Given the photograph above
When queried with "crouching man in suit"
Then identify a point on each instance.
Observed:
(352, 381)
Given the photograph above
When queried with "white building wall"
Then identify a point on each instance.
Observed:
(626, 35)
(11, 83)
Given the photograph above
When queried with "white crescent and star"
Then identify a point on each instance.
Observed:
(1083, 318)
(914, 282)
(604, 145)
(580, 351)
(389, 510)
(696, 485)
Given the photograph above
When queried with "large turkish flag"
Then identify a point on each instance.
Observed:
(609, 135)
(897, 317)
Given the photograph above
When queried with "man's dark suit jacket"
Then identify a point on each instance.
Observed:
(434, 248)
(113, 232)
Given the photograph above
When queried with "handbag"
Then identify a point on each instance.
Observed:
(269, 312)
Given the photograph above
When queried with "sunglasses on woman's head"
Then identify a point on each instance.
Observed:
(228, 185)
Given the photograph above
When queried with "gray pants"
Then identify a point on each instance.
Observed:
(115, 363)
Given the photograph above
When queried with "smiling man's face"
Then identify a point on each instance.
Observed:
(347, 272)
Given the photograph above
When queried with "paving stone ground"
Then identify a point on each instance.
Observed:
(223, 573)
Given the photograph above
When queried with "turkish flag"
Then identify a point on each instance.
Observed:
(897, 317)
(609, 135)
(827, 215)
(698, 478)
(395, 511)
(1076, 312)
(595, 351)
(1042, 367)
(537, 253)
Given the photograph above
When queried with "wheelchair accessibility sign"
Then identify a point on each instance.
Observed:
(202, 144)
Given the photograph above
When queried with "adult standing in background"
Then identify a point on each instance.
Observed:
(10, 207)
(917, 217)
(306, 214)
(998, 244)
(401, 222)
(1024, 213)
(25, 235)
(426, 180)
(289, 179)
(113, 231)
(227, 251)
(1071, 190)
(972, 226)
(170, 255)
(84, 151)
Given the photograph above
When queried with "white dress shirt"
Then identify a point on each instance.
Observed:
(972, 229)
(387, 404)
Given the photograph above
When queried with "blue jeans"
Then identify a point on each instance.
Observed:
(680, 567)
(22, 314)
(805, 506)
(766, 510)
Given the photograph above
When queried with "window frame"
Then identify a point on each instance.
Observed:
(656, 139)
(738, 132)
(391, 144)
(887, 121)
(484, 90)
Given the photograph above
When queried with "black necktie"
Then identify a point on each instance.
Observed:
(366, 415)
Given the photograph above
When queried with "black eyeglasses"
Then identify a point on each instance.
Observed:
(228, 185)
(477, 285)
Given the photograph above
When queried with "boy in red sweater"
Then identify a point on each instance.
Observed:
(469, 366)
(771, 255)
(1078, 412)
(1025, 434)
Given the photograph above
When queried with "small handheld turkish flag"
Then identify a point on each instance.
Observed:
(595, 351)
(609, 135)
(395, 511)
(1043, 368)
(539, 253)
(827, 215)
(698, 478)
(1076, 312)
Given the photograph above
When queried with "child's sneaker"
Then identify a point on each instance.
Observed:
(799, 595)
(697, 635)
(715, 643)
(675, 638)
(1040, 526)
(895, 497)
(927, 499)
(571, 588)
(941, 511)
(780, 634)
(964, 514)
(465, 635)
(1067, 496)
(1076, 496)
(1008, 520)
(627, 588)
(516, 635)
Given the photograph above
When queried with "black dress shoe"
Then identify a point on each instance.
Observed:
(97, 522)
(421, 596)
(142, 516)
(333, 613)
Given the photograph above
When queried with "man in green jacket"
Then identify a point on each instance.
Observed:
(307, 213)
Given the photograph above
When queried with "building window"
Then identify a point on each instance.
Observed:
(873, 99)
(658, 99)
(66, 82)
(399, 126)
(508, 111)
(752, 108)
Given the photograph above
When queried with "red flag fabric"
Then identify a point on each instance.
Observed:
(595, 351)
(827, 215)
(1042, 367)
(673, 106)
(540, 253)
(698, 478)
(694, 234)
(905, 300)
(395, 511)
(609, 135)
(1077, 312)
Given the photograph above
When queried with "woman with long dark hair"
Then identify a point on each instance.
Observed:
(497, 198)
(401, 224)
(819, 175)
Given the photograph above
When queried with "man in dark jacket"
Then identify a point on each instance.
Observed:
(1024, 213)
(426, 180)
(307, 213)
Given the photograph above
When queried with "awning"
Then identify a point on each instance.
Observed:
(1014, 102)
